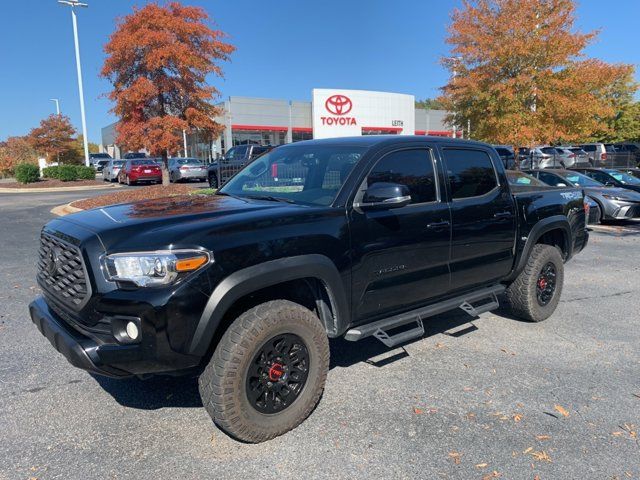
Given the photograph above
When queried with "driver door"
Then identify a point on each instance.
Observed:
(401, 255)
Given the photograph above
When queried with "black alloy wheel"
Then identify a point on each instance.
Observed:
(277, 374)
(546, 284)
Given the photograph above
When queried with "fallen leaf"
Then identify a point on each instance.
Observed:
(541, 456)
(617, 434)
(517, 417)
(543, 437)
(528, 450)
(417, 411)
(491, 475)
(561, 410)
(456, 457)
(482, 465)
(440, 345)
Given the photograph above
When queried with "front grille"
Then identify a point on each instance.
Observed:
(61, 271)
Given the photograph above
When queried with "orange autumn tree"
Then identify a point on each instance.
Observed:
(158, 60)
(53, 137)
(519, 76)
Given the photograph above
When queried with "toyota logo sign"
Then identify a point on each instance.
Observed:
(338, 104)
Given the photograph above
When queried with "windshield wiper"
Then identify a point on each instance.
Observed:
(269, 198)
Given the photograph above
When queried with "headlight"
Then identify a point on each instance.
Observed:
(614, 197)
(150, 269)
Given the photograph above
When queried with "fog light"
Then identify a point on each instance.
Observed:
(132, 330)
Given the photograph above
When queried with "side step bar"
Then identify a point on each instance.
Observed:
(485, 300)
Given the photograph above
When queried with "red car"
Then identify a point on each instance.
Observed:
(140, 170)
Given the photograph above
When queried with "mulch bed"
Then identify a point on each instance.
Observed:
(51, 183)
(134, 195)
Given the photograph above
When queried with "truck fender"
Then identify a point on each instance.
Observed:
(254, 278)
(539, 229)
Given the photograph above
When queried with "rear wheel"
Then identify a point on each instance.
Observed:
(213, 181)
(268, 371)
(128, 181)
(535, 293)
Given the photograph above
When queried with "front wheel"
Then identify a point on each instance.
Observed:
(268, 371)
(535, 293)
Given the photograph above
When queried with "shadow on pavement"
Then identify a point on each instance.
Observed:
(153, 393)
(182, 392)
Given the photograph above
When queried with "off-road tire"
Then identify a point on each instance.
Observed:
(223, 383)
(522, 293)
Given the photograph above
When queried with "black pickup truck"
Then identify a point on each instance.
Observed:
(351, 238)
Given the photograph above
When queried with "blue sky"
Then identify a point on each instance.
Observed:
(284, 49)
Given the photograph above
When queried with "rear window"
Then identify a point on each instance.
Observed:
(188, 161)
(589, 148)
(144, 162)
(549, 150)
(470, 172)
(503, 152)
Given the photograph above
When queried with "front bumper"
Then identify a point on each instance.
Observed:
(80, 351)
(625, 210)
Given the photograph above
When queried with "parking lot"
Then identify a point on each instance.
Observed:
(491, 397)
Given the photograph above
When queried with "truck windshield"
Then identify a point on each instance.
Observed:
(305, 174)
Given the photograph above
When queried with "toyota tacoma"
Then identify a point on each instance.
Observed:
(351, 238)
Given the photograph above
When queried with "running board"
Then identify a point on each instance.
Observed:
(473, 303)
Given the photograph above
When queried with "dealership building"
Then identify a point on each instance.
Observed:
(331, 113)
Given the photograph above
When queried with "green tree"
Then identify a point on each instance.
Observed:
(430, 104)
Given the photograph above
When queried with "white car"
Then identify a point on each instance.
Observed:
(111, 170)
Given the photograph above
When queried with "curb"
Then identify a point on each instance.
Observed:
(58, 189)
(62, 210)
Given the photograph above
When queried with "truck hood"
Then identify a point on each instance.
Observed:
(165, 222)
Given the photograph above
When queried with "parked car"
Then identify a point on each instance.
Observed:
(629, 153)
(99, 165)
(570, 158)
(96, 157)
(228, 165)
(582, 157)
(132, 155)
(540, 157)
(517, 178)
(140, 170)
(185, 169)
(612, 178)
(246, 286)
(599, 153)
(615, 203)
(507, 155)
(632, 171)
(111, 170)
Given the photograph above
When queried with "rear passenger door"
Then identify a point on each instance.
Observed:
(483, 217)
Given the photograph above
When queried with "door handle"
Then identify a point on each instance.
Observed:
(503, 215)
(438, 225)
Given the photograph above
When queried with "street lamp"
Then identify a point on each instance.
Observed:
(57, 105)
(73, 4)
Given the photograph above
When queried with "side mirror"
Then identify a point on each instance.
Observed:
(383, 195)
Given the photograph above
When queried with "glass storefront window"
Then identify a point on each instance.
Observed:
(299, 136)
(258, 137)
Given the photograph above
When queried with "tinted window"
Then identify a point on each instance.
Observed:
(581, 180)
(519, 178)
(599, 176)
(549, 150)
(589, 148)
(412, 168)
(143, 162)
(259, 151)
(550, 179)
(470, 172)
(503, 152)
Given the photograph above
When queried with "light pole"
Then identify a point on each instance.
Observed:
(57, 105)
(73, 4)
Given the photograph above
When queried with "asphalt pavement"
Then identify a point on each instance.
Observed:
(491, 397)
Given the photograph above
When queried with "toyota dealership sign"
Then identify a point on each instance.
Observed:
(345, 113)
